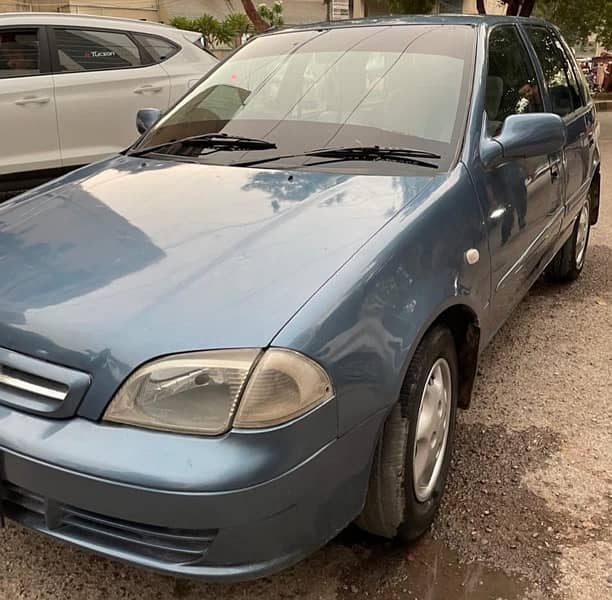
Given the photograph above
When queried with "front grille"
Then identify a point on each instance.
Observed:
(36, 387)
(40, 387)
(168, 546)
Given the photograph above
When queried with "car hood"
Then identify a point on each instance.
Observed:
(132, 259)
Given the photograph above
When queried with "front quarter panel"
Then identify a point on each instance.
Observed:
(364, 325)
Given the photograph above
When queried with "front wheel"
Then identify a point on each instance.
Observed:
(569, 261)
(413, 456)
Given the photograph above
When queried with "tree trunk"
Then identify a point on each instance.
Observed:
(480, 7)
(513, 7)
(259, 24)
(527, 8)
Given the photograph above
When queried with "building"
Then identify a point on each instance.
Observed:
(295, 11)
(131, 9)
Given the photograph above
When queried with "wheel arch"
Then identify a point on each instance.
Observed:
(464, 324)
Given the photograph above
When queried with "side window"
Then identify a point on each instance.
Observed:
(577, 98)
(19, 53)
(580, 77)
(512, 86)
(584, 86)
(88, 50)
(158, 48)
(564, 96)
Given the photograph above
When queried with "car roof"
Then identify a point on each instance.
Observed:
(443, 19)
(53, 18)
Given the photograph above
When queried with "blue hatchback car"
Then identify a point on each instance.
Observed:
(256, 325)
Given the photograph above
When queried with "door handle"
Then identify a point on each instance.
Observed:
(591, 137)
(554, 169)
(148, 88)
(32, 100)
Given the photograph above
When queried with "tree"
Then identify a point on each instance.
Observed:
(238, 26)
(274, 15)
(255, 18)
(521, 8)
(216, 32)
(577, 20)
(418, 7)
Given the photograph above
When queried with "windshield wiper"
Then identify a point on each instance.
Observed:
(368, 153)
(213, 141)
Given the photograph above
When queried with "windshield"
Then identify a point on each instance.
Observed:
(391, 86)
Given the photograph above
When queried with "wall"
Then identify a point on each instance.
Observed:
(294, 11)
(131, 9)
(110, 8)
(13, 5)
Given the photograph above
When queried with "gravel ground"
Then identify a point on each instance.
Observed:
(528, 513)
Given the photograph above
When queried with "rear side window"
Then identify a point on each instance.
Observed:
(558, 75)
(158, 48)
(19, 53)
(583, 86)
(512, 86)
(89, 50)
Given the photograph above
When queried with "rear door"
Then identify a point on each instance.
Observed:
(167, 53)
(102, 78)
(566, 100)
(186, 64)
(28, 126)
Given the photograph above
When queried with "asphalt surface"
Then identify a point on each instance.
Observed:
(528, 509)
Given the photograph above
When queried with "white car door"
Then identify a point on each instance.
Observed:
(101, 81)
(28, 125)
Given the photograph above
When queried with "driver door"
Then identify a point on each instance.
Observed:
(28, 124)
(522, 198)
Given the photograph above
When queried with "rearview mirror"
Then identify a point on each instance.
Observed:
(146, 118)
(524, 136)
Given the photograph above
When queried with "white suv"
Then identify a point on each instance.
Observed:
(70, 87)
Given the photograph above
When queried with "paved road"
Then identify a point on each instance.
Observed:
(528, 511)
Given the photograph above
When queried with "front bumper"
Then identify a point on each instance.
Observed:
(221, 533)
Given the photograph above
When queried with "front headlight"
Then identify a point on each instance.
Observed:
(200, 392)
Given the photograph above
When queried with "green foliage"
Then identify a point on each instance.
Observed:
(411, 7)
(274, 15)
(184, 23)
(239, 24)
(579, 20)
(215, 32)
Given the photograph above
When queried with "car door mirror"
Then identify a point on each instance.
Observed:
(146, 118)
(524, 136)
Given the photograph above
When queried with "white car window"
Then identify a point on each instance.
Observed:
(87, 50)
(159, 48)
(19, 54)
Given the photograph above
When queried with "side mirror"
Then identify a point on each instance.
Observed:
(524, 136)
(146, 118)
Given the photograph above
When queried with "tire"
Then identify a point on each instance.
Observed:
(395, 506)
(569, 261)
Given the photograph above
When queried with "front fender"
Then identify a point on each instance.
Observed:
(365, 323)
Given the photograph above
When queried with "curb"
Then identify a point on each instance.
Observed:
(604, 105)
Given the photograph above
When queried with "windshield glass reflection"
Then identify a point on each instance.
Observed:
(396, 86)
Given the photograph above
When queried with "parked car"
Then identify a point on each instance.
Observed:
(71, 85)
(256, 325)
